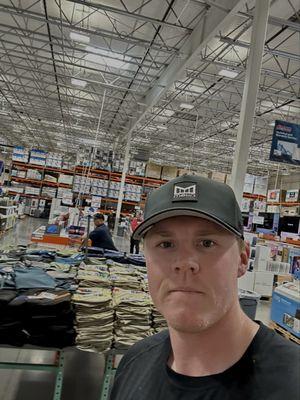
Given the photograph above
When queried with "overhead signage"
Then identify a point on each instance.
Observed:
(286, 143)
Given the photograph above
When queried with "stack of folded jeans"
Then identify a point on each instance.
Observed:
(133, 319)
(94, 318)
(42, 317)
(158, 321)
(11, 327)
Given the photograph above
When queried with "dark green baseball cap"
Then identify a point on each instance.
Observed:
(196, 196)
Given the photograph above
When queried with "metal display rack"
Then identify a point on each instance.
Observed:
(57, 367)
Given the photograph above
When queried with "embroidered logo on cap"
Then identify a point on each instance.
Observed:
(186, 191)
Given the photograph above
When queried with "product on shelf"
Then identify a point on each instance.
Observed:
(20, 154)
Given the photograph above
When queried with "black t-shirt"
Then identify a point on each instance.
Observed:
(100, 237)
(269, 370)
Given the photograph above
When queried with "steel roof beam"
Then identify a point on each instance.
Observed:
(205, 30)
(128, 14)
(97, 32)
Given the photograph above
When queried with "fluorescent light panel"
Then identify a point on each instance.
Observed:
(78, 37)
(229, 73)
(162, 127)
(187, 106)
(109, 58)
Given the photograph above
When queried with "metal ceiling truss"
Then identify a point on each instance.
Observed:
(151, 57)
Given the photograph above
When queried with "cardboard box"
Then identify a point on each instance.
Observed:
(263, 283)
(168, 173)
(285, 307)
(217, 176)
(153, 171)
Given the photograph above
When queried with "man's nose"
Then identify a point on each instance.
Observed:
(186, 262)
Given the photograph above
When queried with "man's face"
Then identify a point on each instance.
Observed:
(98, 221)
(193, 266)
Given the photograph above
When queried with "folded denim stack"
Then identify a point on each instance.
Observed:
(11, 328)
(158, 321)
(94, 318)
(42, 317)
(48, 317)
(133, 320)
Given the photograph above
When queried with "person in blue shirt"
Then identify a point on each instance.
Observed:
(100, 236)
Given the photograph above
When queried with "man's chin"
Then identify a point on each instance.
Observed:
(189, 324)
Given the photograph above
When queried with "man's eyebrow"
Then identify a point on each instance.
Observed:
(162, 233)
(211, 232)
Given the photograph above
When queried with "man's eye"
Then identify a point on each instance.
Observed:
(165, 245)
(207, 243)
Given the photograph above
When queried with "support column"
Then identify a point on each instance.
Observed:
(125, 169)
(258, 37)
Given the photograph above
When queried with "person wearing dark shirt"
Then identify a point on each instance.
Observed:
(195, 252)
(100, 236)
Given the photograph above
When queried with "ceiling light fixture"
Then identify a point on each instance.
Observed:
(162, 127)
(109, 58)
(78, 37)
(187, 106)
(78, 82)
(228, 73)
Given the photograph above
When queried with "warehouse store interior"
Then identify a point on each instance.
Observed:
(102, 103)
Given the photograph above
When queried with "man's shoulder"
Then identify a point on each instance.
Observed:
(145, 347)
(276, 347)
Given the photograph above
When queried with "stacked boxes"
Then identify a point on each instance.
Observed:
(67, 179)
(20, 154)
(61, 192)
(34, 174)
(99, 187)
(48, 191)
(81, 184)
(133, 192)
(32, 190)
(137, 168)
(54, 160)
(114, 189)
(153, 171)
(168, 173)
(38, 157)
(18, 173)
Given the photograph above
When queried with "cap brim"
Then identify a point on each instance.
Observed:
(145, 226)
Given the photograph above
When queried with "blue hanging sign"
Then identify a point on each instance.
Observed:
(286, 143)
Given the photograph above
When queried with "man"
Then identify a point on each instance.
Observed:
(194, 250)
(100, 236)
(111, 219)
(135, 243)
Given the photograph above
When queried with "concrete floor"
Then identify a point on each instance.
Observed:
(83, 370)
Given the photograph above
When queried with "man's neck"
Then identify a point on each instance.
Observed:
(215, 349)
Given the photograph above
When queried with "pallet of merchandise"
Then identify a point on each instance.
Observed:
(283, 332)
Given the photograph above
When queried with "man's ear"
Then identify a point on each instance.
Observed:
(244, 257)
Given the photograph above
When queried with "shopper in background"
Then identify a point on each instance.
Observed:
(194, 250)
(100, 236)
(111, 219)
(135, 243)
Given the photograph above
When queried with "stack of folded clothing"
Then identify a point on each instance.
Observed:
(132, 317)
(158, 321)
(47, 317)
(11, 327)
(94, 316)
(93, 275)
(124, 276)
